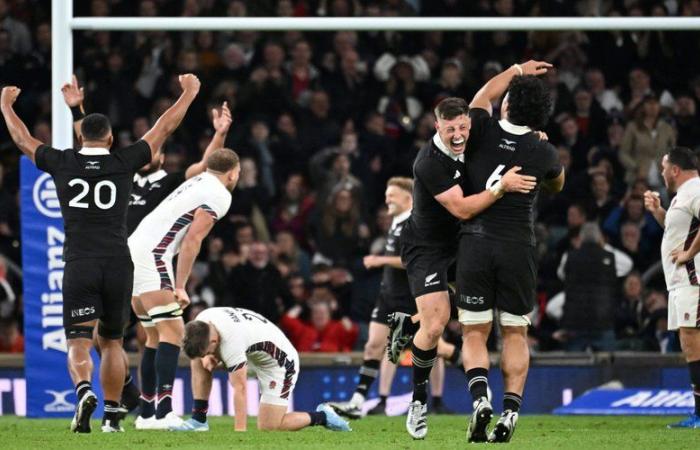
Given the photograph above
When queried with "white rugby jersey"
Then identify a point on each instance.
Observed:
(247, 336)
(162, 230)
(680, 227)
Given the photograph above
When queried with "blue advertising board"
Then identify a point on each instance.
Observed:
(49, 388)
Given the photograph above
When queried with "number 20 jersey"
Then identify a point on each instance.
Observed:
(493, 149)
(94, 188)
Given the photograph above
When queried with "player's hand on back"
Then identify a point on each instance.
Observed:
(512, 181)
(73, 94)
(652, 201)
(541, 135)
(190, 83)
(221, 118)
(9, 95)
(182, 298)
(533, 67)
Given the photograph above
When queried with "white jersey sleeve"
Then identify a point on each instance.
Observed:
(231, 350)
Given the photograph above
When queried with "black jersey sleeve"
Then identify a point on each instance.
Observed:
(552, 166)
(435, 177)
(479, 118)
(136, 155)
(47, 158)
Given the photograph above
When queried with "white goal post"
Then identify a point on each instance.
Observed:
(63, 23)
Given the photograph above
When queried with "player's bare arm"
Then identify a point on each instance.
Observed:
(239, 379)
(74, 96)
(221, 120)
(497, 85)
(18, 130)
(466, 208)
(555, 185)
(191, 244)
(374, 261)
(171, 118)
(652, 203)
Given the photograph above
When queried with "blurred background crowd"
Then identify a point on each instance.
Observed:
(322, 120)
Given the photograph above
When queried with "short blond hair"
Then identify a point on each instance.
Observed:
(222, 160)
(403, 183)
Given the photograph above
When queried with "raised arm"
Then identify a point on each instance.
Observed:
(221, 120)
(466, 208)
(171, 118)
(498, 85)
(18, 130)
(372, 261)
(652, 202)
(74, 95)
(191, 244)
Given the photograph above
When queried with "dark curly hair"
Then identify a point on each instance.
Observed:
(529, 102)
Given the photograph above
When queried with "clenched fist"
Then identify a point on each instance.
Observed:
(9, 95)
(189, 83)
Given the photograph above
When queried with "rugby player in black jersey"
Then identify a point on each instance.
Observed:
(151, 185)
(94, 187)
(394, 297)
(496, 263)
(430, 237)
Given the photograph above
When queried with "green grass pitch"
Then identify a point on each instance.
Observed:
(445, 432)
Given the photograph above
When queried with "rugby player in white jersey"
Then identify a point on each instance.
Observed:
(176, 226)
(679, 255)
(240, 338)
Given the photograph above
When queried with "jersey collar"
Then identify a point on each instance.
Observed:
(438, 143)
(93, 151)
(150, 178)
(514, 129)
(400, 218)
(688, 184)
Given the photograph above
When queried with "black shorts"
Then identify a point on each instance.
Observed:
(98, 288)
(427, 266)
(387, 304)
(496, 274)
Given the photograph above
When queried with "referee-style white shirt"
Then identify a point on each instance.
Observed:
(680, 227)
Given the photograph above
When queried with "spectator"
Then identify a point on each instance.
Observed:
(607, 98)
(590, 286)
(286, 247)
(257, 285)
(340, 234)
(8, 299)
(11, 340)
(603, 202)
(293, 211)
(633, 211)
(320, 333)
(250, 200)
(687, 122)
(646, 138)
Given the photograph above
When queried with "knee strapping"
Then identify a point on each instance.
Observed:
(109, 332)
(146, 321)
(171, 311)
(78, 332)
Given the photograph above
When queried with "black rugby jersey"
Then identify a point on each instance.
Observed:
(395, 281)
(494, 148)
(147, 193)
(94, 188)
(433, 172)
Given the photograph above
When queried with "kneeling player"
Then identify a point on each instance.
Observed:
(239, 337)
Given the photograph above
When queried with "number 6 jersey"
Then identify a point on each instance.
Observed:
(493, 148)
(94, 188)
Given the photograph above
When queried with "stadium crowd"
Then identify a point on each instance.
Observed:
(322, 120)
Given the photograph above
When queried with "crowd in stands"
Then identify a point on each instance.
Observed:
(323, 119)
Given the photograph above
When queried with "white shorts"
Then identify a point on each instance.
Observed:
(151, 272)
(478, 317)
(277, 383)
(683, 306)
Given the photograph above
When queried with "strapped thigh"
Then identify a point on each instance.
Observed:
(171, 311)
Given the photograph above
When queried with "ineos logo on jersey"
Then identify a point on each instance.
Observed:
(80, 312)
(507, 145)
(45, 197)
(472, 299)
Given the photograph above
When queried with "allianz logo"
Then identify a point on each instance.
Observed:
(45, 196)
(657, 399)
